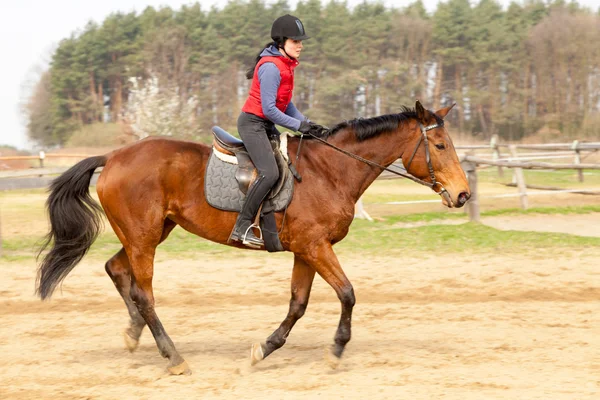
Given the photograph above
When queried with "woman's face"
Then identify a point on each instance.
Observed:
(293, 47)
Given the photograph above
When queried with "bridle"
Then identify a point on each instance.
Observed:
(443, 192)
(434, 183)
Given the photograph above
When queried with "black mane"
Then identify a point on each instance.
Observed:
(365, 128)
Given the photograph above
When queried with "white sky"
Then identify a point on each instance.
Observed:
(31, 29)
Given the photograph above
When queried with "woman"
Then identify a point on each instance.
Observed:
(269, 102)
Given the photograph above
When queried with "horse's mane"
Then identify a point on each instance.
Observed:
(365, 128)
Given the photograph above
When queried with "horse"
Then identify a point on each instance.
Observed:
(149, 187)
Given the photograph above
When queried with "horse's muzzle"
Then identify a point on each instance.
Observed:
(463, 197)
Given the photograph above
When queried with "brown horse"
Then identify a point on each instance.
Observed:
(149, 187)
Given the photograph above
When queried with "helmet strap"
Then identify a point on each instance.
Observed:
(282, 48)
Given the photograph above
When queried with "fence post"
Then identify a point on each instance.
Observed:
(520, 177)
(577, 159)
(472, 205)
(359, 211)
(496, 153)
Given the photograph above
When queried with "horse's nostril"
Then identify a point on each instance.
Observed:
(463, 197)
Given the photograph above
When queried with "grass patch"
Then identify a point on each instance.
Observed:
(398, 190)
(586, 209)
(446, 215)
(179, 244)
(25, 223)
(564, 178)
(364, 237)
(469, 237)
(375, 198)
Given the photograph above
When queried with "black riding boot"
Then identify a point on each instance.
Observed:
(242, 231)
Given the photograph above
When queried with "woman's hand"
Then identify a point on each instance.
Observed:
(318, 130)
(310, 128)
(305, 127)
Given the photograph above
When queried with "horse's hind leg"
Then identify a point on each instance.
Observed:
(119, 270)
(302, 279)
(142, 268)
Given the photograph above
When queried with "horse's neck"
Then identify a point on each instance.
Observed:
(383, 149)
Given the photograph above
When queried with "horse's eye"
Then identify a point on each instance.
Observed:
(440, 146)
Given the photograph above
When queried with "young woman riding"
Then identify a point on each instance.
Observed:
(269, 102)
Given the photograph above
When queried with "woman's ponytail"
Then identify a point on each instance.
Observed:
(277, 43)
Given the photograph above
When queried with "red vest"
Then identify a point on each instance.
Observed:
(286, 86)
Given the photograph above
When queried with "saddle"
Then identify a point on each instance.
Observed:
(226, 144)
(230, 172)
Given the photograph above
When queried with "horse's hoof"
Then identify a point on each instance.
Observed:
(181, 369)
(256, 354)
(332, 360)
(130, 342)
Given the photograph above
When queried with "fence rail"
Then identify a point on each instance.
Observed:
(470, 164)
(527, 164)
(41, 156)
(40, 177)
(507, 156)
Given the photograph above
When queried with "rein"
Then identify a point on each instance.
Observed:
(443, 192)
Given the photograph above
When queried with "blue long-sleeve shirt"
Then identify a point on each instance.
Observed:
(269, 78)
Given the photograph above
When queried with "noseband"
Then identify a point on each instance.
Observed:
(443, 192)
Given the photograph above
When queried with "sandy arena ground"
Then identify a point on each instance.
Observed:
(426, 326)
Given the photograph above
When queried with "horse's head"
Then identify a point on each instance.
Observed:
(430, 156)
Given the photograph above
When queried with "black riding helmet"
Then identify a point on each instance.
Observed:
(288, 26)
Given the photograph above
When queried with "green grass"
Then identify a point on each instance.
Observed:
(445, 215)
(180, 243)
(23, 212)
(370, 198)
(385, 191)
(468, 237)
(565, 178)
(381, 237)
(544, 210)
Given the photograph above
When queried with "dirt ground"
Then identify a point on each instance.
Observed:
(573, 224)
(425, 326)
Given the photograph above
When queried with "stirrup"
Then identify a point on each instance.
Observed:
(250, 244)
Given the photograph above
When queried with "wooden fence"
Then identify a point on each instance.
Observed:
(507, 156)
(41, 157)
(499, 155)
(504, 156)
(546, 151)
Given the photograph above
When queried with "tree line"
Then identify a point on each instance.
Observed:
(511, 71)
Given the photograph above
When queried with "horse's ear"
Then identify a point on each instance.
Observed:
(422, 114)
(442, 112)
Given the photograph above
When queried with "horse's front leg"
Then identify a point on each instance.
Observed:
(302, 279)
(326, 264)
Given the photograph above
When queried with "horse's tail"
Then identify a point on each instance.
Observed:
(75, 222)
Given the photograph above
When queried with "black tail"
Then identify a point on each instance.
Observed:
(75, 221)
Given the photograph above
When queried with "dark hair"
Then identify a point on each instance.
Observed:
(278, 43)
